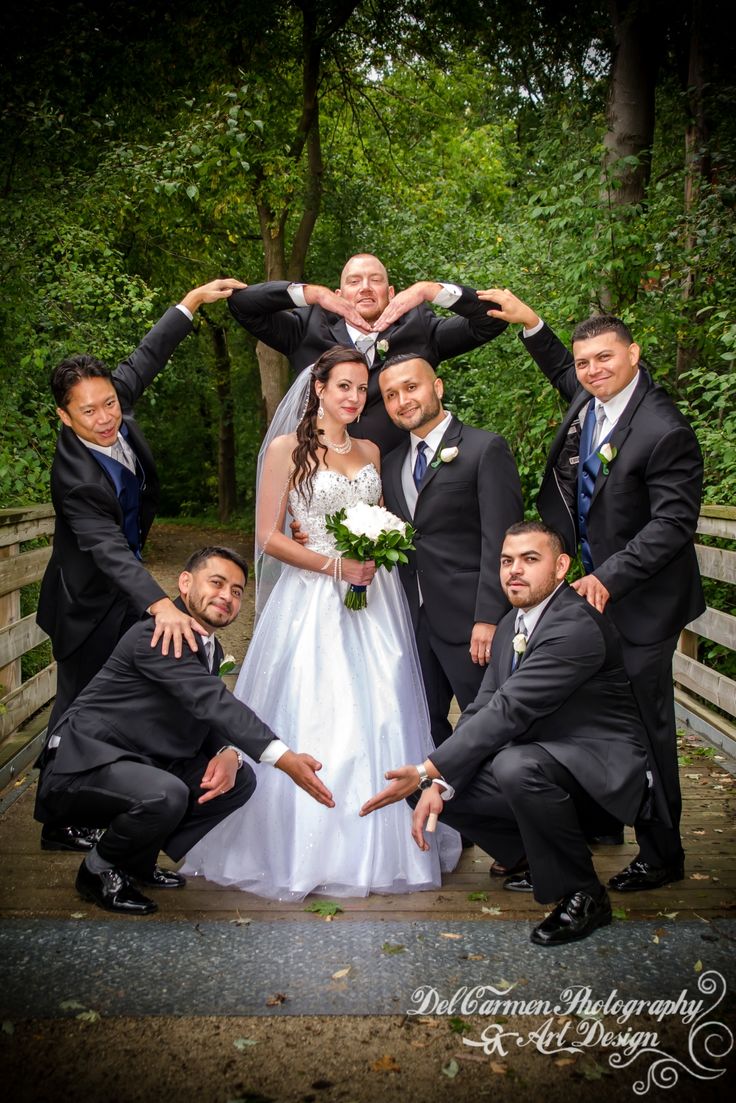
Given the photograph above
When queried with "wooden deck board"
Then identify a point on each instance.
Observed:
(36, 884)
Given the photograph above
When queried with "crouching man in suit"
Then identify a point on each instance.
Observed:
(552, 738)
(155, 748)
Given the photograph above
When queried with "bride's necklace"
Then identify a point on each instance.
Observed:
(341, 449)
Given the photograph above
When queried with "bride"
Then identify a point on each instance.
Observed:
(344, 686)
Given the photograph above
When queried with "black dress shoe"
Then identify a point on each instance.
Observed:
(641, 875)
(112, 890)
(497, 870)
(616, 839)
(576, 916)
(56, 837)
(162, 879)
(519, 882)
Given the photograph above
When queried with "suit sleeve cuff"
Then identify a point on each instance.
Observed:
(185, 311)
(273, 752)
(534, 330)
(448, 296)
(447, 790)
(296, 294)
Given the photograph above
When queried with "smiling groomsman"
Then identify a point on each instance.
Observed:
(623, 480)
(460, 488)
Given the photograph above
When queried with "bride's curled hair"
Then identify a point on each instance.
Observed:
(306, 456)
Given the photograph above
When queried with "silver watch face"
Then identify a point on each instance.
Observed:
(425, 783)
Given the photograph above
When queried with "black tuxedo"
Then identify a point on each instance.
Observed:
(564, 723)
(302, 334)
(640, 527)
(462, 512)
(94, 586)
(133, 748)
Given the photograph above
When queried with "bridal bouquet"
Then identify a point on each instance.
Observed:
(370, 532)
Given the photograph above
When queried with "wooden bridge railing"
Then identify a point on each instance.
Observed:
(694, 679)
(23, 711)
(24, 705)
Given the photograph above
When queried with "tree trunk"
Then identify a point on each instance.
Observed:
(697, 171)
(630, 117)
(226, 484)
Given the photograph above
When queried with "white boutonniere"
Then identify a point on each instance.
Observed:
(519, 643)
(382, 346)
(445, 455)
(227, 664)
(606, 454)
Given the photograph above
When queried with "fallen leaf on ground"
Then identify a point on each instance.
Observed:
(393, 948)
(698, 876)
(451, 1069)
(245, 1043)
(387, 1063)
(499, 1069)
(449, 934)
(341, 973)
(275, 1000)
(491, 911)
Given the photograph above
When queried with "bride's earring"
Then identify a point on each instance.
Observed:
(320, 409)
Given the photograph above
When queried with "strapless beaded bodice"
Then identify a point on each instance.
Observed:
(331, 492)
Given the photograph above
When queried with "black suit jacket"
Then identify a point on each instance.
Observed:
(266, 310)
(93, 575)
(462, 512)
(644, 512)
(152, 708)
(569, 695)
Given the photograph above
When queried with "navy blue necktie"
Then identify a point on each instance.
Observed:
(420, 464)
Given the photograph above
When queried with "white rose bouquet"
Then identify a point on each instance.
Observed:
(370, 532)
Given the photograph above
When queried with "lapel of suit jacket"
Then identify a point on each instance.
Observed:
(452, 436)
(623, 426)
(535, 636)
(201, 652)
(579, 402)
(393, 476)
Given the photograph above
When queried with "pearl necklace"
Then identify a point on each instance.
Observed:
(341, 449)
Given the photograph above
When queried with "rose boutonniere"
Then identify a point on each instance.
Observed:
(445, 455)
(227, 664)
(382, 347)
(519, 643)
(606, 454)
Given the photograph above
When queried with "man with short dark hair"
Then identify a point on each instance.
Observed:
(552, 739)
(302, 320)
(623, 480)
(460, 488)
(155, 747)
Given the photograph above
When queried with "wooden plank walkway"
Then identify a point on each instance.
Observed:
(35, 884)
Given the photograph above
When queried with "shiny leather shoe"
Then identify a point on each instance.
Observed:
(162, 879)
(519, 882)
(575, 917)
(55, 836)
(497, 870)
(641, 875)
(112, 890)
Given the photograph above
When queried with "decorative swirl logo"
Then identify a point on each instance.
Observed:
(711, 1040)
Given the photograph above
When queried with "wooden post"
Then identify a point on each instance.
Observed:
(10, 675)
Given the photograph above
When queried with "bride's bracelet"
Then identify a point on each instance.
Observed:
(327, 565)
(337, 569)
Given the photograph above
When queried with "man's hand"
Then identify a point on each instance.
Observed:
(302, 769)
(404, 782)
(512, 309)
(210, 293)
(481, 642)
(172, 624)
(330, 301)
(219, 777)
(297, 534)
(430, 803)
(418, 293)
(593, 590)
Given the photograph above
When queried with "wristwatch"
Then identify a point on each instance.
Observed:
(424, 779)
(239, 753)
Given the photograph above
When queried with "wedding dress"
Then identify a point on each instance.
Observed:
(345, 687)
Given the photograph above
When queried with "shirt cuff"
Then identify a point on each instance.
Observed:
(533, 330)
(185, 311)
(273, 752)
(296, 294)
(447, 790)
(448, 296)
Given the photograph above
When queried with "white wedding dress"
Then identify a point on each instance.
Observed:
(345, 687)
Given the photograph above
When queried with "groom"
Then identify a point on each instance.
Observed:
(460, 488)
(155, 748)
(552, 738)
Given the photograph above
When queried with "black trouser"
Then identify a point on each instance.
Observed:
(526, 802)
(649, 669)
(147, 809)
(447, 672)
